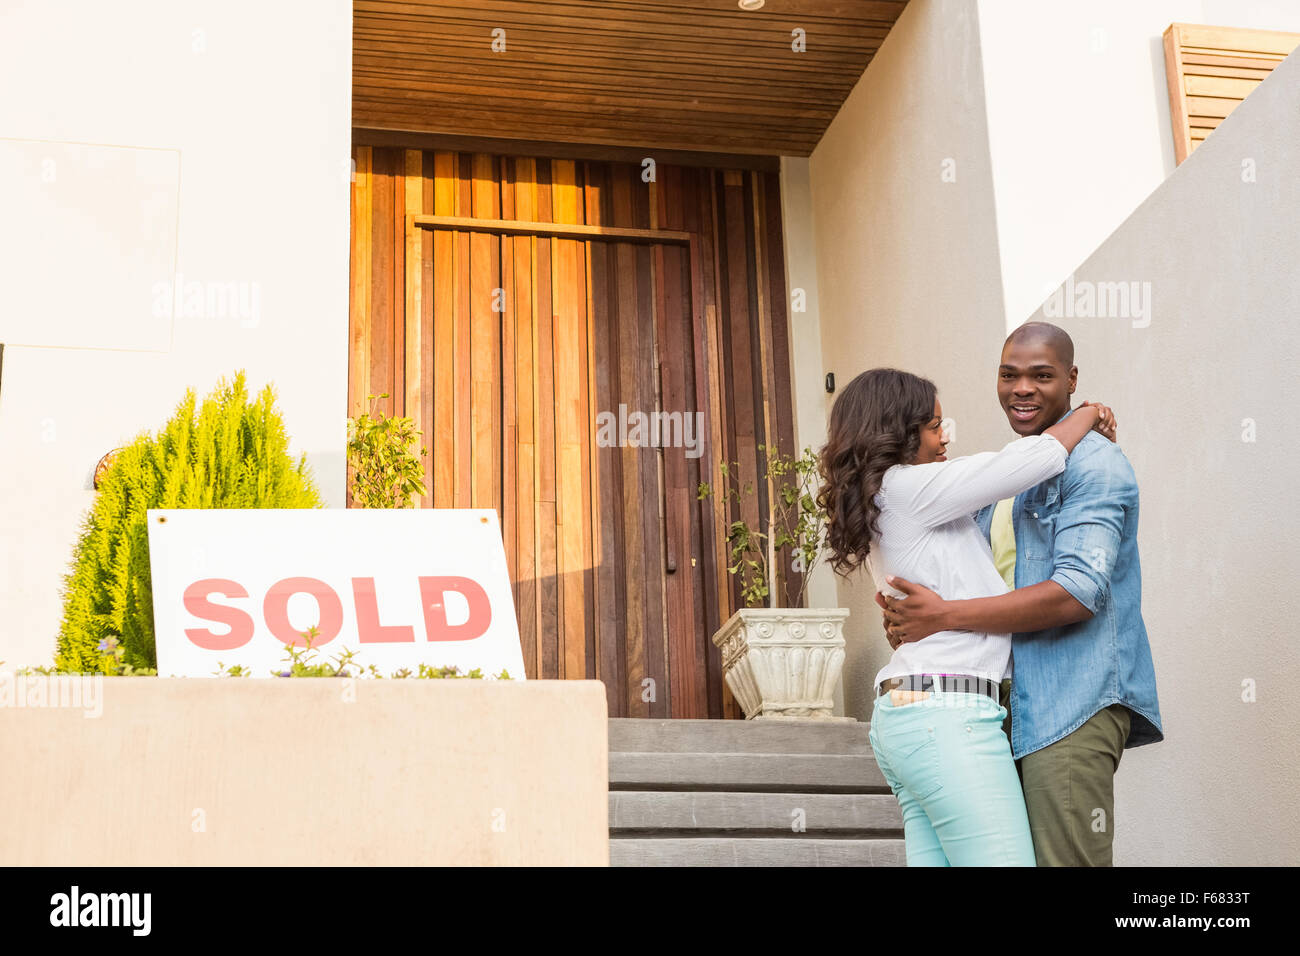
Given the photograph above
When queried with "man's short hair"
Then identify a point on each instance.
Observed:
(1045, 333)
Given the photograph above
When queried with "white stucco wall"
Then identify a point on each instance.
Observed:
(1078, 119)
(1203, 389)
(929, 275)
(907, 265)
(252, 103)
(811, 402)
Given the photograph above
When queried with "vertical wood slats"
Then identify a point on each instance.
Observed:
(507, 348)
(359, 290)
(413, 328)
(442, 474)
(1210, 70)
(548, 569)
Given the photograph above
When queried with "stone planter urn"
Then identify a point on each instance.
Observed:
(784, 662)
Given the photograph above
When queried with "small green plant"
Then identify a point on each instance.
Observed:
(232, 454)
(113, 664)
(387, 470)
(795, 522)
(303, 662)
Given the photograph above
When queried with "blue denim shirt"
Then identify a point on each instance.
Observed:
(1079, 529)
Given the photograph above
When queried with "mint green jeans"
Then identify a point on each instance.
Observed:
(948, 761)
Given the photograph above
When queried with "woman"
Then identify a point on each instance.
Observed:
(898, 505)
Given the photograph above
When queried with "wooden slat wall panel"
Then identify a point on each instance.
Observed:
(359, 292)
(608, 555)
(505, 348)
(572, 428)
(484, 348)
(522, 307)
(462, 447)
(428, 171)
(1212, 69)
(383, 278)
(442, 476)
(413, 327)
(548, 622)
(509, 370)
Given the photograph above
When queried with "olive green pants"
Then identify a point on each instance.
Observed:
(1069, 788)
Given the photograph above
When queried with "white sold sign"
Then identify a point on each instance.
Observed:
(399, 587)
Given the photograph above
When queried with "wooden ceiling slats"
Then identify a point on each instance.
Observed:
(659, 74)
(640, 106)
(628, 114)
(682, 74)
(584, 28)
(727, 93)
(748, 53)
(576, 130)
(798, 9)
(622, 14)
(505, 128)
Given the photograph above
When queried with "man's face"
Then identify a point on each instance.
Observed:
(1034, 386)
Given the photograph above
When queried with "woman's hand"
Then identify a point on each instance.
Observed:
(1106, 424)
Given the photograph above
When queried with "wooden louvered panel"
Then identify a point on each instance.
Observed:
(1212, 69)
(666, 74)
(657, 295)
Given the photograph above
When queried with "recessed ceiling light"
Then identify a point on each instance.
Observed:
(752, 4)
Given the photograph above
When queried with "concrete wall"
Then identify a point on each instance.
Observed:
(1078, 119)
(811, 402)
(233, 121)
(1205, 395)
(176, 772)
(929, 275)
(906, 244)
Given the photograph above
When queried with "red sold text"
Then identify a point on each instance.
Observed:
(275, 612)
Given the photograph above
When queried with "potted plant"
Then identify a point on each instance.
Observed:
(779, 661)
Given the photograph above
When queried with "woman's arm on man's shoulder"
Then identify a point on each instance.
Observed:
(942, 491)
(1096, 495)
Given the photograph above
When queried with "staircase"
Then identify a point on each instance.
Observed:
(748, 793)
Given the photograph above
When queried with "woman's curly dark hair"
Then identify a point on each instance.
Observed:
(875, 423)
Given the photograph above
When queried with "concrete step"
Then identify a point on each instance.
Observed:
(632, 734)
(638, 813)
(772, 772)
(755, 851)
(748, 793)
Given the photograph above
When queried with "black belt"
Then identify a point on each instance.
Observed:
(948, 683)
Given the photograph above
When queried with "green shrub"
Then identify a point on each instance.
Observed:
(387, 467)
(234, 455)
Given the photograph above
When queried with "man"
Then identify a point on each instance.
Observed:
(1083, 687)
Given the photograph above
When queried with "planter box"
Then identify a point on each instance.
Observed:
(784, 662)
(260, 771)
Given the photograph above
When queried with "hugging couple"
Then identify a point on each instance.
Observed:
(1019, 560)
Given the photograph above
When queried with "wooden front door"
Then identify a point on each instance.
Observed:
(554, 348)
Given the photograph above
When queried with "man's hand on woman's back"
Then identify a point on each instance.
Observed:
(925, 612)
